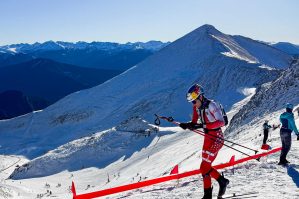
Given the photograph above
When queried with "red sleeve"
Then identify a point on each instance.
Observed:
(195, 115)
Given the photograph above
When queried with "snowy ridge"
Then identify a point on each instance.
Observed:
(234, 50)
(263, 53)
(270, 98)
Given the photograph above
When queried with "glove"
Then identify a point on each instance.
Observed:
(297, 136)
(197, 126)
(185, 125)
(190, 125)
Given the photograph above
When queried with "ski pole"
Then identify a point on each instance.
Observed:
(255, 151)
(203, 134)
(170, 119)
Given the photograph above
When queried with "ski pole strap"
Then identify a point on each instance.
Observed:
(157, 120)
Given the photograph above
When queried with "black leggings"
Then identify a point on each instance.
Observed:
(286, 141)
(266, 133)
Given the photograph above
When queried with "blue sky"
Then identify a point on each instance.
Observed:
(142, 20)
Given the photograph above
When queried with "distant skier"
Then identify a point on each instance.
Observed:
(266, 128)
(211, 120)
(287, 127)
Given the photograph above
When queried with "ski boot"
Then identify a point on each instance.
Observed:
(283, 162)
(223, 182)
(208, 193)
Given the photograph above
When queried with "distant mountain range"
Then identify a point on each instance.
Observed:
(101, 55)
(289, 48)
(61, 45)
(51, 70)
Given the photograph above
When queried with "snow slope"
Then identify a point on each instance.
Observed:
(258, 50)
(175, 146)
(156, 85)
(269, 99)
(100, 149)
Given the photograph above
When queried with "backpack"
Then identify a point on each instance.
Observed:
(225, 118)
(224, 115)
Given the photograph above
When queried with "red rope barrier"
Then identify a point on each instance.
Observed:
(146, 183)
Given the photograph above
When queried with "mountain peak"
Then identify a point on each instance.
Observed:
(203, 35)
(207, 28)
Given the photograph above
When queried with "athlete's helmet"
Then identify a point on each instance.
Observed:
(194, 92)
(289, 106)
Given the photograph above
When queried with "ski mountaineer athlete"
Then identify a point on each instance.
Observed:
(211, 120)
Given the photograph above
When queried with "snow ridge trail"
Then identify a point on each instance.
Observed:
(19, 159)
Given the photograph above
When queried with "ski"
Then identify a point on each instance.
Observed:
(235, 196)
(242, 197)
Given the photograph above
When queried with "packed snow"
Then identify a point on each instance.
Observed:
(142, 156)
